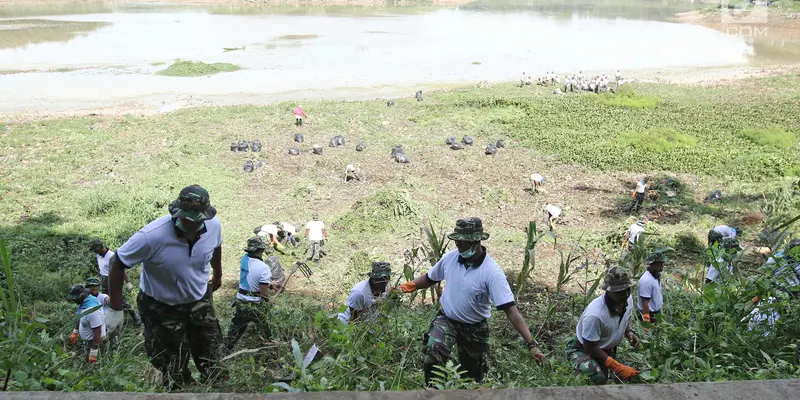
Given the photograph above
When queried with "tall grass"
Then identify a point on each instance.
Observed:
(197, 68)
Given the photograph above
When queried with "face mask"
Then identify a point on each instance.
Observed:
(467, 254)
(179, 224)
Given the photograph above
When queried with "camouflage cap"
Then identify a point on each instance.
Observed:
(76, 292)
(255, 244)
(730, 244)
(315, 216)
(192, 204)
(381, 270)
(657, 256)
(96, 245)
(93, 281)
(617, 279)
(469, 230)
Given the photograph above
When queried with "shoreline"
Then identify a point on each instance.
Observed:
(168, 102)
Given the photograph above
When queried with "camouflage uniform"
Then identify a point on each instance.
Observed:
(472, 340)
(172, 332)
(585, 365)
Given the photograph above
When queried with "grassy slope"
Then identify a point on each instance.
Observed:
(66, 181)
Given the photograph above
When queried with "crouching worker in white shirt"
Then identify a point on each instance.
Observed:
(473, 282)
(363, 298)
(603, 325)
(90, 327)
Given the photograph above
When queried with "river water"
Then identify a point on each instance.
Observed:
(78, 55)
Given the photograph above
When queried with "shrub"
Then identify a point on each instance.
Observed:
(773, 136)
(626, 97)
(197, 68)
(658, 140)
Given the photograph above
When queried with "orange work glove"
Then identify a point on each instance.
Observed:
(633, 194)
(623, 371)
(408, 287)
(756, 299)
(74, 337)
(93, 355)
(646, 317)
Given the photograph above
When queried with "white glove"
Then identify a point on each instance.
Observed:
(128, 286)
(114, 320)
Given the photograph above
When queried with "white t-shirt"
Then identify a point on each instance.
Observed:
(634, 230)
(598, 325)
(641, 187)
(360, 298)
(315, 230)
(787, 274)
(726, 231)
(713, 274)
(650, 288)
(289, 227)
(554, 211)
(91, 321)
(103, 262)
(468, 291)
(258, 272)
(104, 301)
(536, 178)
(268, 229)
(171, 273)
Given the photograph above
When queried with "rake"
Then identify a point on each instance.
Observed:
(298, 266)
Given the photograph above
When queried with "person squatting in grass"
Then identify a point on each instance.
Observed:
(104, 255)
(177, 252)
(252, 300)
(364, 296)
(91, 328)
(602, 326)
(474, 282)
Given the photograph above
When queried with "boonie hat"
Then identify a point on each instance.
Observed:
(255, 244)
(617, 279)
(93, 281)
(192, 204)
(381, 270)
(76, 292)
(468, 230)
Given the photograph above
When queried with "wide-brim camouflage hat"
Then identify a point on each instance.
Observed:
(380, 270)
(76, 292)
(657, 256)
(192, 204)
(617, 279)
(255, 244)
(468, 230)
(96, 245)
(93, 281)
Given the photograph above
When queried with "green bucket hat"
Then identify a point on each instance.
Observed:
(617, 279)
(96, 245)
(76, 292)
(469, 230)
(656, 257)
(192, 204)
(255, 244)
(381, 270)
(93, 281)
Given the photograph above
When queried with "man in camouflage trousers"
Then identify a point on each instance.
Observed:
(602, 326)
(252, 300)
(177, 253)
(474, 282)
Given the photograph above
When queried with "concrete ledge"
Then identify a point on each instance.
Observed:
(737, 390)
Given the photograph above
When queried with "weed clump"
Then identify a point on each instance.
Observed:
(626, 97)
(658, 140)
(387, 210)
(197, 68)
(773, 136)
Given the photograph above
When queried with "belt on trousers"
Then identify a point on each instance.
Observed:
(249, 293)
(578, 345)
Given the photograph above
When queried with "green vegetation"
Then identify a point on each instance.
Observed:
(157, 63)
(628, 98)
(297, 37)
(197, 68)
(774, 136)
(72, 179)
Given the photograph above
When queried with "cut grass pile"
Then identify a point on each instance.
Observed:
(197, 68)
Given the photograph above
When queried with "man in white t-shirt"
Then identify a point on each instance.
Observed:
(364, 296)
(553, 213)
(638, 194)
(104, 256)
(651, 298)
(634, 232)
(724, 260)
(602, 326)
(178, 252)
(537, 181)
(289, 232)
(473, 282)
(112, 331)
(252, 299)
(91, 326)
(270, 233)
(316, 236)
